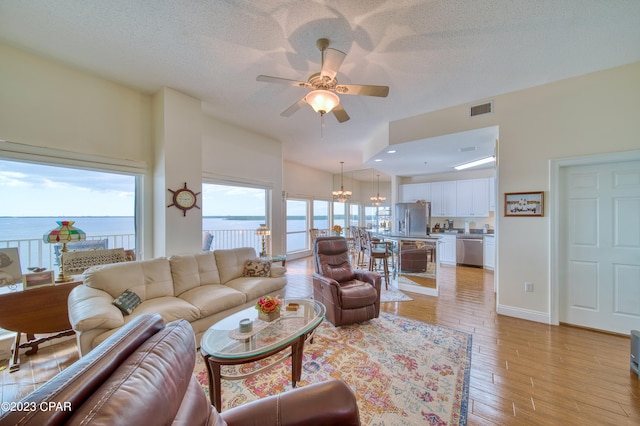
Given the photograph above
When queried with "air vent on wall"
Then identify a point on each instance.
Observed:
(481, 109)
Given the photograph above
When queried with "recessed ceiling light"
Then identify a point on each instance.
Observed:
(391, 151)
(377, 160)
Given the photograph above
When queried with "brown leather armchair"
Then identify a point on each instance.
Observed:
(143, 374)
(413, 258)
(350, 296)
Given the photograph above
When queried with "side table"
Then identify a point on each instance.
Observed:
(282, 258)
(41, 310)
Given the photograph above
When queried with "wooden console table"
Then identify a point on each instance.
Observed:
(41, 310)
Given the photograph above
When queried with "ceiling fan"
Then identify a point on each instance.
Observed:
(323, 98)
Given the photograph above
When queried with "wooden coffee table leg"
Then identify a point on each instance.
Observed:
(297, 350)
(215, 391)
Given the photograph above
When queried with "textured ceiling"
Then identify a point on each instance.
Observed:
(432, 55)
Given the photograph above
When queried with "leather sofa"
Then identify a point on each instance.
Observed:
(350, 296)
(143, 375)
(202, 289)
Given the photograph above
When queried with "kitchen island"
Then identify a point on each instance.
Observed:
(417, 261)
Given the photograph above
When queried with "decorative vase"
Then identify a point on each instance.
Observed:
(336, 233)
(268, 317)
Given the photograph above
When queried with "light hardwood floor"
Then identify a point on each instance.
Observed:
(522, 372)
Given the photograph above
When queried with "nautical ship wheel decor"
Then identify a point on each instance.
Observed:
(184, 199)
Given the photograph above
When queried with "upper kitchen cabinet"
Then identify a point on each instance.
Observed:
(472, 198)
(412, 192)
(443, 198)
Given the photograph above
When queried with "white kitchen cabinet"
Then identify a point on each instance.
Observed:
(443, 199)
(412, 192)
(489, 252)
(472, 198)
(448, 249)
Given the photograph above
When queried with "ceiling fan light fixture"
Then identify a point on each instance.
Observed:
(322, 101)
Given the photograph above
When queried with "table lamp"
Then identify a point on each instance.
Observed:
(64, 233)
(263, 231)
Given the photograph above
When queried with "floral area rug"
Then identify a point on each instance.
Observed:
(403, 372)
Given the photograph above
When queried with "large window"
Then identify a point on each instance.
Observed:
(339, 214)
(321, 214)
(354, 215)
(35, 196)
(231, 214)
(297, 225)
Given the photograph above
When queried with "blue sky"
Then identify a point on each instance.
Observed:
(28, 189)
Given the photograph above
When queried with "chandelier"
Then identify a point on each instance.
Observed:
(341, 196)
(378, 199)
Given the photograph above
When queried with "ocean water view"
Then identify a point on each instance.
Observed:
(21, 228)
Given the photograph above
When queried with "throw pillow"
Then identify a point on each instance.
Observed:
(127, 302)
(256, 268)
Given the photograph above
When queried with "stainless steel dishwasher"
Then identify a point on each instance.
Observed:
(469, 250)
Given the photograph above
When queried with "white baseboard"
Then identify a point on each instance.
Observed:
(525, 314)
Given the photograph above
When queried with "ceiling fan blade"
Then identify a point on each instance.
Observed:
(269, 79)
(332, 60)
(363, 90)
(340, 114)
(293, 108)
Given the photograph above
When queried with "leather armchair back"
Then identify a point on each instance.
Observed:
(329, 250)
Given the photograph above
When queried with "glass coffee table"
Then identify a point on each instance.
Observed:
(223, 344)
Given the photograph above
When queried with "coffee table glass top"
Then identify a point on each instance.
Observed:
(223, 340)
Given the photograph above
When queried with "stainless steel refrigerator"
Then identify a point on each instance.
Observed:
(413, 219)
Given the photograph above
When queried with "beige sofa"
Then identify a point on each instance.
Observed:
(201, 288)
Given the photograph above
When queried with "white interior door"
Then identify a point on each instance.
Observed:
(600, 246)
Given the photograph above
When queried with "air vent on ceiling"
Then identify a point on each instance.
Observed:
(481, 109)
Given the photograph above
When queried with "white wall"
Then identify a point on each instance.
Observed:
(46, 104)
(240, 156)
(304, 181)
(595, 113)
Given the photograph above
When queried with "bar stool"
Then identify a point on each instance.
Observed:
(378, 250)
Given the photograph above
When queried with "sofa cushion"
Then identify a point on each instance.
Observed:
(90, 308)
(192, 271)
(127, 302)
(147, 278)
(169, 308)
(231, 262)
(211, 299)
(256, 268)
(254, 287)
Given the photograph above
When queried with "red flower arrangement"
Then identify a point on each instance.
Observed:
(268, 305)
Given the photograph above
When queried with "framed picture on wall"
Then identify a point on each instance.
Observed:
(10, 270)
(524, 203)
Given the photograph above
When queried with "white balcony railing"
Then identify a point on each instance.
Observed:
(35, 252)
